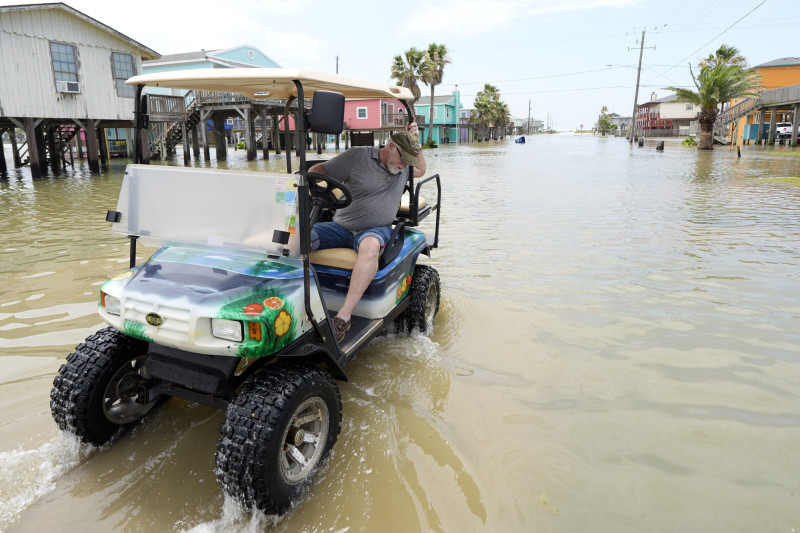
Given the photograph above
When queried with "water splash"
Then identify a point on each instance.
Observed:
(234, 517)
(30, 474)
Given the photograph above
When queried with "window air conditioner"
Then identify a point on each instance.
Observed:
(68, 86)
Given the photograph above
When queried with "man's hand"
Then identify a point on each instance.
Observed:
(413, 130)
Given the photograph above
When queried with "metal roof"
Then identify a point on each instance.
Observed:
(437, 100)
(147, 53)
(187, 56)
(782, 62)
(270, 83)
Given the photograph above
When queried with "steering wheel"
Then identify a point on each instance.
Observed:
(322, 186)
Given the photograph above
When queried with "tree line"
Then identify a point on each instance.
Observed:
(427, 66)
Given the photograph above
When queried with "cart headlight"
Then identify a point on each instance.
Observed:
(230, 330)
(111, 304)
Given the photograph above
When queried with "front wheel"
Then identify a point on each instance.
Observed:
(276, 433)
(425, 295)
(97, 393)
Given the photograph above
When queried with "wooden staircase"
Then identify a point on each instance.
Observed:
(721, 131)
(164, 136)
(64, 134)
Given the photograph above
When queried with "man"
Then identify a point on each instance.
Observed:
(375, 178)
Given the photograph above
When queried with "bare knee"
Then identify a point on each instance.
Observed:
(370, 248)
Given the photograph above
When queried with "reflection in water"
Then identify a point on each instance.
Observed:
(617, 341)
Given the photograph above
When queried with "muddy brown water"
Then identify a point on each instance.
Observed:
(617, 350)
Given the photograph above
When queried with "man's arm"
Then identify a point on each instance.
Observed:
(319, 168)
(422, 166)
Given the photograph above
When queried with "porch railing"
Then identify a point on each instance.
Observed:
(166, 108)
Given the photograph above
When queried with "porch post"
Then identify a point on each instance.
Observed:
(249, 134)
(220, 143)
(276, 135)
(795, 112)
(771, 135)
(3, 167)
(196, 140)
(760, 131)
(54, 162)
(33, 149)
(103, 145)
(91, 146)
(264, 134)
(15, 148)
(186, 156)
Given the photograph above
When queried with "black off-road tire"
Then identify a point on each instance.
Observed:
(267, 423)
(84, 397)
(425, 294)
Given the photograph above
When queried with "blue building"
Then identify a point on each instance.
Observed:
(446, 110)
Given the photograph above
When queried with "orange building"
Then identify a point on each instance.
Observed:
(771, 75)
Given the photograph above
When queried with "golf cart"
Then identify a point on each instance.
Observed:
(234, 310)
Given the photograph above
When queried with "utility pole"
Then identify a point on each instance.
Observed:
(636, 96)
(337, 63)
(529, 116)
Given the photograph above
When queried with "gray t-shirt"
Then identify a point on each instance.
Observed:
(376, 193)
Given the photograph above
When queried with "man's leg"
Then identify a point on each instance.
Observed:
(363, 273)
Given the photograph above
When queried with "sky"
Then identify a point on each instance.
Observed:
(561, 60)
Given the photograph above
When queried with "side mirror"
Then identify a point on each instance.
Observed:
(327, 113)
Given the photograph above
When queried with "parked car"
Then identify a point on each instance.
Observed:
(783, 130)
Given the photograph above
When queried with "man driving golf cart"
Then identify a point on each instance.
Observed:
(376, 179)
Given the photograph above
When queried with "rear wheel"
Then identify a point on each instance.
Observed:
(276, 433)
(425, 295)
(97, 393)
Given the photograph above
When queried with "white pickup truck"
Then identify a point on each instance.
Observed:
(783, 130)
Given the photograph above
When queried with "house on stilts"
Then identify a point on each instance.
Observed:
(63, 84)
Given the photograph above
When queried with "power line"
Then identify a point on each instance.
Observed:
(718, 36)
(539, 77)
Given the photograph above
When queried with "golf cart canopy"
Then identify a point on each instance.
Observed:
(273, 83)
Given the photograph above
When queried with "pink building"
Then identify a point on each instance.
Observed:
(374, 114)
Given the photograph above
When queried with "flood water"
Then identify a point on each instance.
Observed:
(617, 351)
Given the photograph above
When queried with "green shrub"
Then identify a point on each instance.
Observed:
(430, 143)
(689, 141)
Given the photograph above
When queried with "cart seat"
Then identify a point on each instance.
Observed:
(344, 258)
(405, 204)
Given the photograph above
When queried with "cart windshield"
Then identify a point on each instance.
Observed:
(220, 208)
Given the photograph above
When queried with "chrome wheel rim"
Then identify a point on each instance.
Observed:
(430, 305)
(304, 440)
(120, 407)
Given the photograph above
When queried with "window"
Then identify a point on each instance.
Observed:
(361, 112)
(65, 65)
(689, 107)
(122, 68)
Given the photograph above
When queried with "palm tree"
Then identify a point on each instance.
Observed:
(501, 116)
(489, 111)
(482, 117)
(406, 69)
(727, 55)
(715, 85)
(432, 73)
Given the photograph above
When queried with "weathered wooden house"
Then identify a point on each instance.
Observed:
(66, 73)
